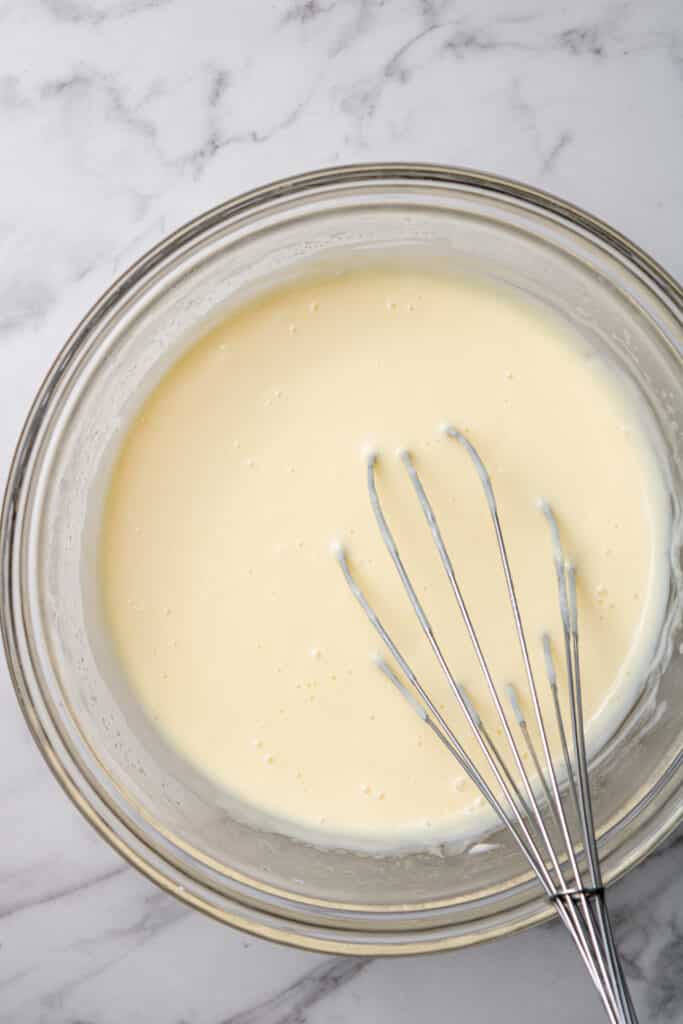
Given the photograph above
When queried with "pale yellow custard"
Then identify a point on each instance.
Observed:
(232, 621)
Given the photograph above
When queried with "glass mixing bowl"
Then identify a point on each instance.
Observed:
(154, 810)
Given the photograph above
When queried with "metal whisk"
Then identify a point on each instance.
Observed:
(566, 866)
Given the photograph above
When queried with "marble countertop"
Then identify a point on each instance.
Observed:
(119, 120)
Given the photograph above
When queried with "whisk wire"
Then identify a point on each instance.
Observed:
(448, 566)
(433, 718)
(536, 816)
(570, 621)
(581, 907)
(552, 682)
(517, 827)
(390, 544)
(554, 802)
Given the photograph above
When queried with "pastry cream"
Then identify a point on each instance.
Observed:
(232, 621)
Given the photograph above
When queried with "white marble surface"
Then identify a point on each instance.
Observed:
(119, 119)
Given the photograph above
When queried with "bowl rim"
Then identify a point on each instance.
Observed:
(150, 862)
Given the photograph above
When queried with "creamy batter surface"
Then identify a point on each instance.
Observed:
(232, 621)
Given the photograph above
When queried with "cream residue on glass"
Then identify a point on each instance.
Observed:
(231, 620)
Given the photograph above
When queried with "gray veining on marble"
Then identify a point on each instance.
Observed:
(119, 120)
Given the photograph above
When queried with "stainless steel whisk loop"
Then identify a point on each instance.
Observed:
(566, 866)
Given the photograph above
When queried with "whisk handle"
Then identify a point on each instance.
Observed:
(598, 950)
(624, 1001)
